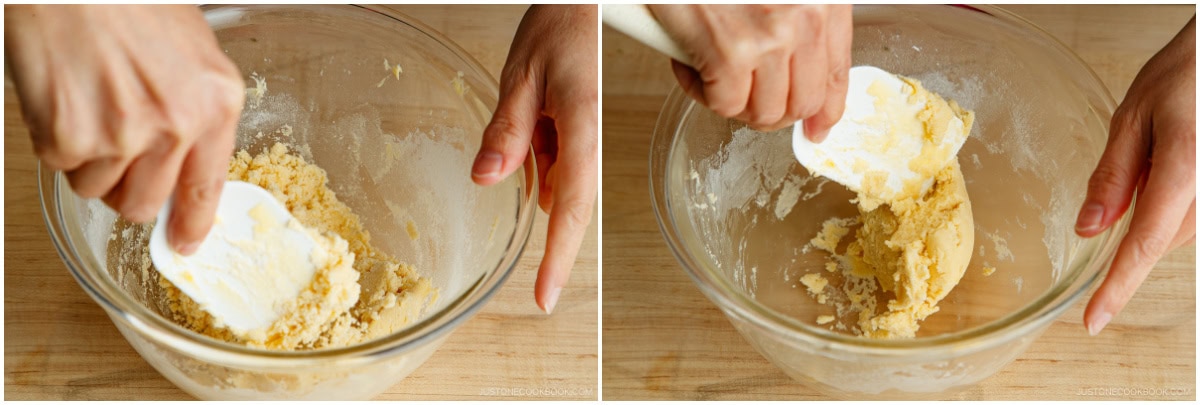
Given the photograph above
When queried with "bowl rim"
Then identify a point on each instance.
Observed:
(429, 328)
(1027, 320)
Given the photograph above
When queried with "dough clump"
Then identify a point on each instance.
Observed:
(911, 250)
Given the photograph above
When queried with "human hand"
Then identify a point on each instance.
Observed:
(767, 65)
(133, 103)
(1151, 146)
(548, 97)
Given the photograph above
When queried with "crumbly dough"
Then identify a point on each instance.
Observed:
(389, 294)
(912, 249)
(297, 290)
(815, 283)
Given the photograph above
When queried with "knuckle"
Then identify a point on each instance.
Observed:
(55, 158)
(518, 74)
(65, 148)
(127, 128)
(179, 123)
(779, 38)
(66, 155)
(1125, 120)
(816, 14)
(154, 128)
(170, 142)
(136, 210)
(199, 193)
(733, 50)
(805, 107)
(230, 95)
(581, 101)
(1120, 292)
(1147, 248)
(840, 71)
(577, 212)
(1109, 178)
(725, 61)
(181, 133)
(725, 106)
(765, 117)
(128, 134)
(504, 130)
(1124, 112)
(812, 21)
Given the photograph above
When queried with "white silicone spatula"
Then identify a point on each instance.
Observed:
(860, 142)
(636, 21)
(851, 148)
(250, 264)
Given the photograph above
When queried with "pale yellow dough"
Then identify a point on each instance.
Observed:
(989, 270)
(914, 248)
(389, 294)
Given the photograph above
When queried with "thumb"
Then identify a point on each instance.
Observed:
(1111, 186)
(506, 138)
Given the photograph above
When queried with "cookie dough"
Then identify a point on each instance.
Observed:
(358, 294)
(815, 283)
(294, 290)
(911, 249)
(989, 270)
(916, 249)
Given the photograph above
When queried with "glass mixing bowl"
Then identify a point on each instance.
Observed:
(398, 151)
(737, 209)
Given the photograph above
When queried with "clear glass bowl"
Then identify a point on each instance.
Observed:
(721, 195)
(397, 151)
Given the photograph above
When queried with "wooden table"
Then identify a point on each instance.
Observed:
(59, 344)
(664, 340)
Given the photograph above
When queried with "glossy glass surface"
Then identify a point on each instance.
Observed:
(397, 144)
(737, 209)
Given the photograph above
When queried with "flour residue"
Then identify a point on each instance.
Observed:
(393, 71)
(999, 244)
(254, 95)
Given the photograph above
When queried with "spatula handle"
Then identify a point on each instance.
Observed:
(635, 20)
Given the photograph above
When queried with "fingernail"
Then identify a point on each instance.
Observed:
(819, 136)
(188, 249)
(552, 300)
(812, 134)
(1098, 323)
(487, 164)
(1089, 217)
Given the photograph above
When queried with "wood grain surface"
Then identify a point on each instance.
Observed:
(59, 344)
(663, 339)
